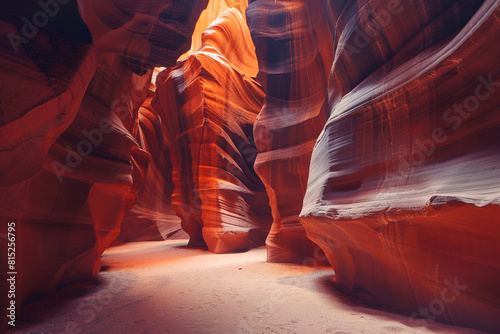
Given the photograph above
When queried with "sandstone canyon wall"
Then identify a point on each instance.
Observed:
(295, 53)
(43, 83)
(404, 187)
(369, 128)
(71, 163)
(151, 217)
(208, 104)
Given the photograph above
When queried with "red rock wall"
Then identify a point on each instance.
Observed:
(388, 151)
(43, 83)
(143, 33)
(403, 189)
(208, 107)
(73, 158)
(295, 53)
(151, 217)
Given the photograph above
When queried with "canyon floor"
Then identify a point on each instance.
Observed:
(167, 287)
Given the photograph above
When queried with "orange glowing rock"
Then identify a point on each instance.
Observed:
(213, 10)
(403, 193)
(208, 104)
(69, 213)
(143, 33)
(295, 52)
(386, 155)
(151, 217)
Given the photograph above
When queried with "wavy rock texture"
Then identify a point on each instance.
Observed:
(295, 52)
(144, 34)
(43, 83)
(208, 105)
(70, 211)
(403, 193)
(213, 10)
(151, 217)
(390, 156)
(73, 154)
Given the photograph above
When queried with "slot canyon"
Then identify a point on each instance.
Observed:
(250, 166)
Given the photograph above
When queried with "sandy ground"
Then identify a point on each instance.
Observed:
(165, 287)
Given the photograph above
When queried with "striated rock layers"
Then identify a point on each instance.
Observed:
(73, 152)
(295, 52)
(143, 33)
(208, 104)
(151, 217)
(43, 83)
(404, 186)
(370, 125)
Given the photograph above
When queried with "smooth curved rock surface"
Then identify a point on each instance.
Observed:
(213, 10)
(151, 217)
(72, 159)
(144, 34)
(390, 156)
(208, 104)
(43, 83)
(403, 192)
(295, 52)
(42, 86)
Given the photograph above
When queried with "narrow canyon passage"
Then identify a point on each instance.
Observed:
(361, 135)
(166, 287)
